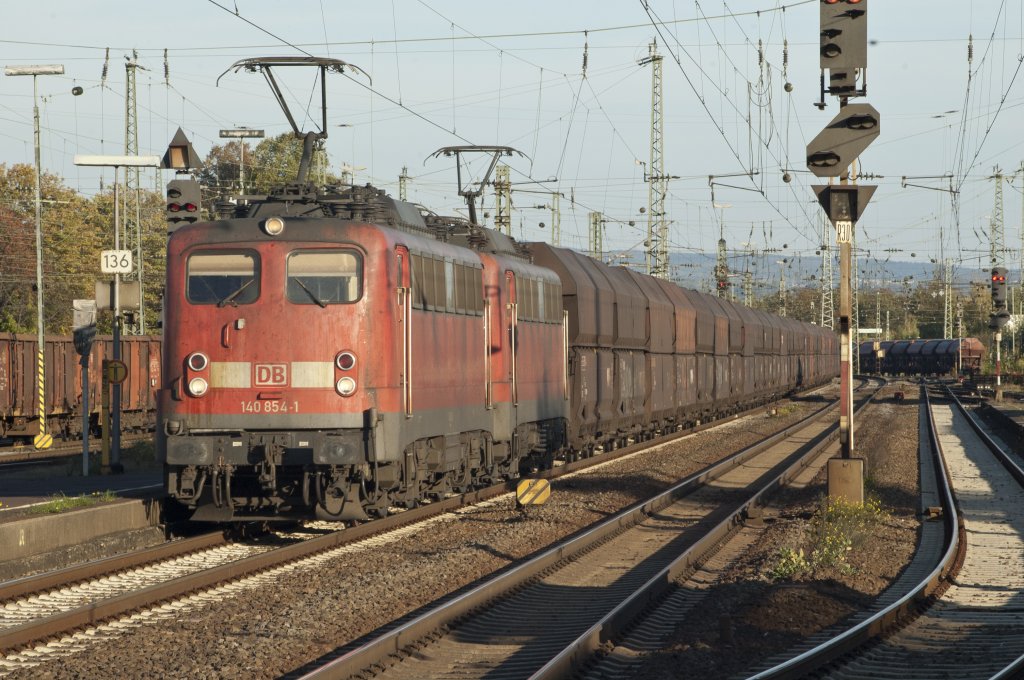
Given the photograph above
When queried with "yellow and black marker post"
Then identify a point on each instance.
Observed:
(532, 492)
(43, 440)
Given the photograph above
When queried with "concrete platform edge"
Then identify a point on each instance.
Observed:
(28, 536)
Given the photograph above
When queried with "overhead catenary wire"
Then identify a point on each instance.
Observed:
(657, 24)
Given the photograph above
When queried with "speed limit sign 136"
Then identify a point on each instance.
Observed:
(116, 261)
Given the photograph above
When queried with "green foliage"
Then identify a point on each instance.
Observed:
(273, 162)
(785, 410)
(836, 528)
(75, 229)
(789, 563)
(61, 503)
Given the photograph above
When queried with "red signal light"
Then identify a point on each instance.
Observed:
(189, 207)
(174, 207)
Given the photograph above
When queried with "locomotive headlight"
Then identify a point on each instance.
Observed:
(197, 387)
(198, 361)
(273, 226)
(345, 361)
(346, 386)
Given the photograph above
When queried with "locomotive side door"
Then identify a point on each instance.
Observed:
(404, 292)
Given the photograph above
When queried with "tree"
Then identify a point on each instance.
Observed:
(221, 168)
(69, 249)
(275, 162)
(75, 229)
(17, 272)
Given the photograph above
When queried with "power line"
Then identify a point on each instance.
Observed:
(493, 36)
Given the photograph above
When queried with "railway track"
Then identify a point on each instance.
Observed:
(546, 617)
(40, 615)
(955, 612)
(11, 455)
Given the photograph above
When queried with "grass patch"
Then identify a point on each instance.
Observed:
(141, 454)
(836, 528)
(62, 503)
(781, 410)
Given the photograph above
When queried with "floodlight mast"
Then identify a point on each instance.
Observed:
(42, 439)
(265, 65)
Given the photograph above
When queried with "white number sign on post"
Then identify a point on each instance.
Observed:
(116, 262)
(844, 231)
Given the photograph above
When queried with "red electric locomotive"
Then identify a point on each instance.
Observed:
(338, 365)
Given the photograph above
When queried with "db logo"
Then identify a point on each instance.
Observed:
(271, 375)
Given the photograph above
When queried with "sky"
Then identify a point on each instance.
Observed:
(562, 83)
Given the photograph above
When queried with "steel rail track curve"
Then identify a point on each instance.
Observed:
(961, 620)
(405, 639)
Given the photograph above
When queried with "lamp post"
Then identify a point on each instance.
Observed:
(241, 133)
(42, 440)
(117, 162)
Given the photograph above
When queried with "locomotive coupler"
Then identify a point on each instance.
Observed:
(273, 455)
(187, 487)
(339, 498)
(221, 484)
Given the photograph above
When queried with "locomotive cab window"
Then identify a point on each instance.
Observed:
(324, 277)
(219, 278)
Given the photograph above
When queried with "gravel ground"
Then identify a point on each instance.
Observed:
(264, 633)
(767, 616)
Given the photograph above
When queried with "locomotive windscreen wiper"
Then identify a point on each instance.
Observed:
(312, 297)
(231, 298)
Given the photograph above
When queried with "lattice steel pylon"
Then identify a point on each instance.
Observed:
(556, 220)
(828, 306)
(132, 208)
(503, 200)
(596, 236)
(1020, 265)
(403, 180)
(657, 181)
(947, 292)
(997, 245)
(782, 291)
(722, 271)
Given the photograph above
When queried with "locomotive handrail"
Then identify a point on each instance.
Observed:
(488, 378)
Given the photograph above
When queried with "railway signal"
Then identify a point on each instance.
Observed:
(844, 204)
(843, 139)
(844, 54)
(184, 199)
(999, 288)
(997, 320)
(844, 43)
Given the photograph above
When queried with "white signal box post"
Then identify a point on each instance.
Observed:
(116, 263)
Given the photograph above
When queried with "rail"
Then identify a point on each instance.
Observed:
(394, 641)
(887, 617)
